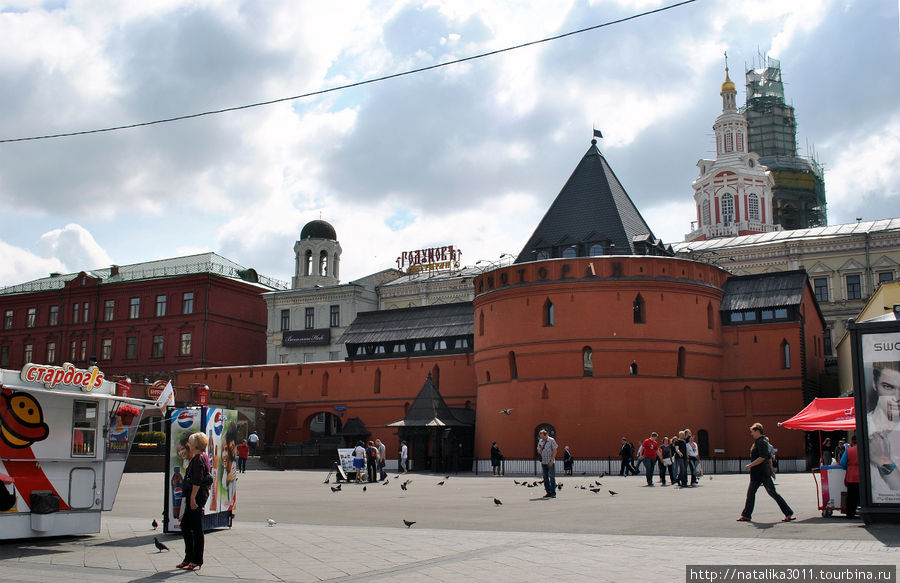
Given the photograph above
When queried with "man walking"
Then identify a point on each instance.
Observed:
(546, 449)
(681, 456)
(382, 451)
(761, 475)
(626, 452)
(650, 453)
(253, 438)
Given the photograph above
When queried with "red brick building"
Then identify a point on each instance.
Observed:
(144, 320)
(596, 331)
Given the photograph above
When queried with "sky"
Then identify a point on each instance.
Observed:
(469, 155)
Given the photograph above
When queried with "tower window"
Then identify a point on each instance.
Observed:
(753, 207)
(587, 358)
(727, 209)
(638, 308)
(706, 216)
(549, 318)
(786, 352)
(513, 367)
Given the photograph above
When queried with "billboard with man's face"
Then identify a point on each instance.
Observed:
(880, 389)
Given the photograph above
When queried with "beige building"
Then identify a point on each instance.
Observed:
(428, 289)
(882, 302)
(846, 263)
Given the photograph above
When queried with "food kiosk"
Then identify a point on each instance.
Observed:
(64, 439)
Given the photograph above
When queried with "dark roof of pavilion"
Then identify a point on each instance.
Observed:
(592, 207)
(764, 290)
(354, 427)
(430, 410)
(438, 321)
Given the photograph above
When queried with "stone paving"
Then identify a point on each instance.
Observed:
(642, 534)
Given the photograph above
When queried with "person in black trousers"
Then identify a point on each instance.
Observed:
(195, 498)
(761, 475)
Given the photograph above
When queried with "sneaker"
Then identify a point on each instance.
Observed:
(548, 496)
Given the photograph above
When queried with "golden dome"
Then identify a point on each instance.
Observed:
(728, 85)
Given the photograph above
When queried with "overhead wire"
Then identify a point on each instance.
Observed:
(355, 84)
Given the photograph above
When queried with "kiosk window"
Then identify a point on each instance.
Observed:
(84, 428)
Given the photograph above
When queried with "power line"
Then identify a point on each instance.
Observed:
(351, 85)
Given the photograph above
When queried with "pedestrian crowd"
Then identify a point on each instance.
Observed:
(369, 460)
(676, 458)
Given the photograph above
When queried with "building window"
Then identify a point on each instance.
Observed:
(323, 263)
(633, 369)
(310, 319)
(51, 352)
(820, 284)
(131, 348)
(587, 361)
(786, 354)
(84, 350)
(335, 355)
(28, 352)
(549, 319)
(325, 385)
(106, 349)
(513, 367)
(740, 142)
(705, 215)
(885, 277)
(309, 356)
(160, 306)
(728, 142)
(480, 323)
(76, 312)
(73, 350)
(187, 303)
(158, 345)
(596, 250)
(30, 317)
(4, 356)
(710, 317)
(638, 308)
(307, 264)
(109, 310)
(285, 319)
(85, 310)
(134, 308)
(753, 207)
(185, 349)
(543, 254)
(8, 320)
(283, 358)
(570, 252)
(826, 342)
(679, 367)
(54, 316)
(335, 316)
(854, 289)
(377, 381)
(727, 210)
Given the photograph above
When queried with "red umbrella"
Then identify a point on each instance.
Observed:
(825, 415)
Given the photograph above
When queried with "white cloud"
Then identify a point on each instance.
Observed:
(20, 265)
(73, 247)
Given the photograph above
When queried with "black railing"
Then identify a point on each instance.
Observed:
(612, 466)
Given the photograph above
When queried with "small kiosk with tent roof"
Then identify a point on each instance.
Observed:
(826, 415)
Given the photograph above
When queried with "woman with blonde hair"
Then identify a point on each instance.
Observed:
(195, 488)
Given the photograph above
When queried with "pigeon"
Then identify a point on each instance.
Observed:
(583, 473)
(364, 488)
(597, 482)
(595, 490)
(154, 524)
(338, 489)
(612, 493)
(385, 483)
(559, 486)
(160, 547)
(506, 411)
(403, 486)
(530, 485)
(270, 522)
(602, 474)
(497, 502)
(447, 477)
(441, 483)
(516, 482)
(408, 523)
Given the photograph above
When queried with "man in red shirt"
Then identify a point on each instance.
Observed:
(650, 453)
(243, 450)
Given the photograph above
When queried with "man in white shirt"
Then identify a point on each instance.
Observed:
(382, 452)
(404, 457)
(546, 448)
(253, 439)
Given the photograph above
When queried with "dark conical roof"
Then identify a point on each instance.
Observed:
(429, 410)
(318, 230)
(591, 209)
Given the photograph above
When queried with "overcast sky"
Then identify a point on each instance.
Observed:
(470, 155)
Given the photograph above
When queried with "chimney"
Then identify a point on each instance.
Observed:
(113, 270)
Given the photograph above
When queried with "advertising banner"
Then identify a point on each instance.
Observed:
(224, 464)
(184, 422)
(880, 387)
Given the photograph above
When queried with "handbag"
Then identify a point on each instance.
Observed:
(667, 461)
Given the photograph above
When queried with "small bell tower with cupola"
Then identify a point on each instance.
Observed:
(317, 256)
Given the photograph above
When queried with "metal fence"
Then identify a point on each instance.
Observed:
(610, 466)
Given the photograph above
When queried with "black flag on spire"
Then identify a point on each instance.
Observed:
(597, 134)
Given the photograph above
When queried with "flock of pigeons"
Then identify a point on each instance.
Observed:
(593, 487)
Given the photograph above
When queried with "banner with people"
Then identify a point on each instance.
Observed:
(880, 395)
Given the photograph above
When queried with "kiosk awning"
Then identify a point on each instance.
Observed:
(825, 415)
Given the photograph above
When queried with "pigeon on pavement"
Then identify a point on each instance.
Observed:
(270, 522)
(154, 524)
(441, 483)
(612, 493)
(497, 502)
(408, 523)
(159, 546)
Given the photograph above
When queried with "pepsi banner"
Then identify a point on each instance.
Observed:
(183, 422)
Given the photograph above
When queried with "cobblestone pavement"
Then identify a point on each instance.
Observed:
(641, 534)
